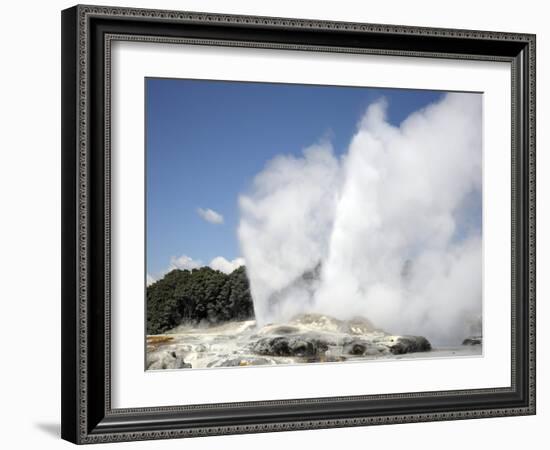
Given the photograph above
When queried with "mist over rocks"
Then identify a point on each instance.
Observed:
(319, 336)
(391, 229)
(307, 338)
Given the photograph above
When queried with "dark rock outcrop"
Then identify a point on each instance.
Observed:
(410, 344)
(321, 337)
(472, 340)
(356, 347)
(302, 345)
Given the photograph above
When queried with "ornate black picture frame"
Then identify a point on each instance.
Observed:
(87, 34)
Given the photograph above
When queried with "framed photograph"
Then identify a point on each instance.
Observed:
(278, 224)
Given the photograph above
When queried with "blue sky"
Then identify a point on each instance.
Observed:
(206, 140)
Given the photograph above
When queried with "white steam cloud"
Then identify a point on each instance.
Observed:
(390, 231)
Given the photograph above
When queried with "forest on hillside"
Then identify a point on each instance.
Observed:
(198, 296)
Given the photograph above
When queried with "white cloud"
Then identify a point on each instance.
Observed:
(210, 215)
(384, 220)
(184, 262)
(225, 266)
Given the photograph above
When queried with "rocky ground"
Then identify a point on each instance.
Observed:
(305, 339)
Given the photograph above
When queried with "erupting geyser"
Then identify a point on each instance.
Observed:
(390, 230)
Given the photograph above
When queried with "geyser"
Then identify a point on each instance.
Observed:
(390, 230)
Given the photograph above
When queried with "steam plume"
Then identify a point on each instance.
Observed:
(393, 226)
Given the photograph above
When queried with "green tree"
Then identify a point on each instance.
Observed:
(198, 296)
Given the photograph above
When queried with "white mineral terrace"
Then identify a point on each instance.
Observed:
(305, 339)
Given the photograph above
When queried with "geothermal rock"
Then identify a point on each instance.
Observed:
(324, 323)
(319, 322)
(356, 347)
(360, 325)
(305, 338)
(318, 337)
(243, 361)
(166, 359)
(409, 344)
(277, 329)
(302, 345)
(472, 340)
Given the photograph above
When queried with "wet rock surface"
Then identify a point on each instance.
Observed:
(305, 339)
